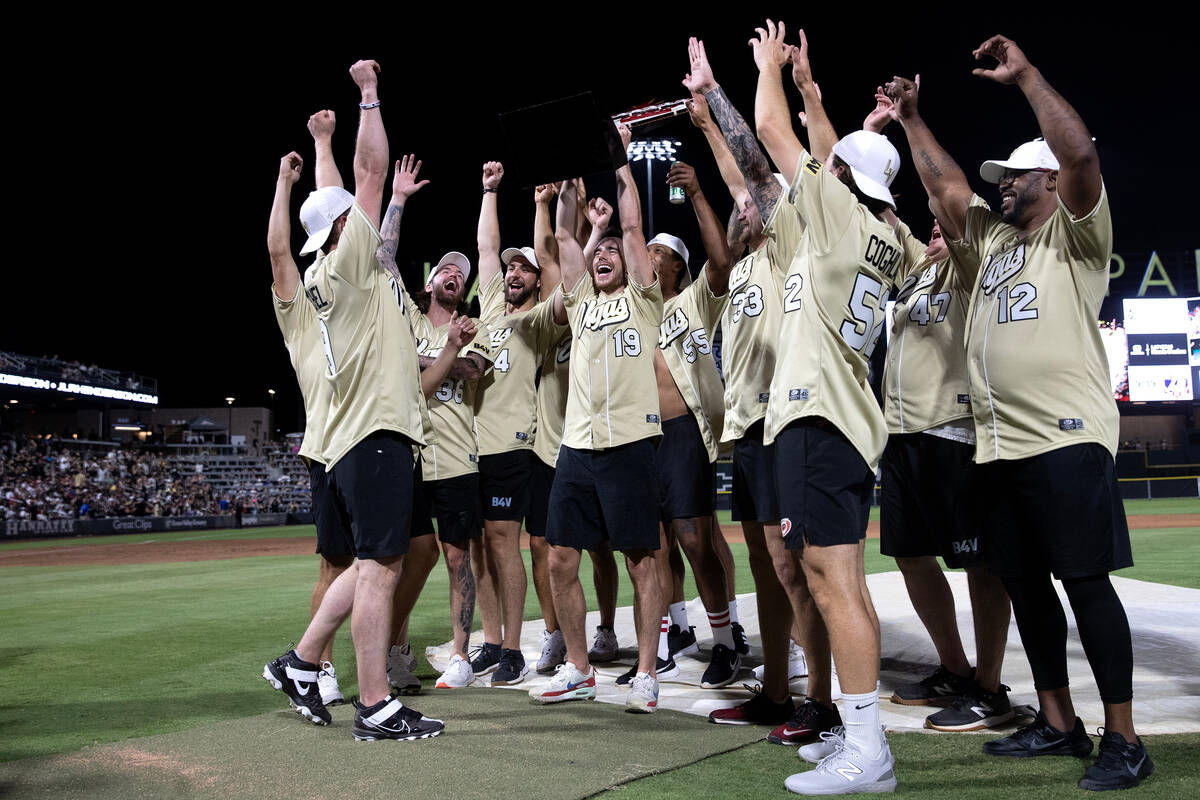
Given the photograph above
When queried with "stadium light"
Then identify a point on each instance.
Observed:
(651, 150)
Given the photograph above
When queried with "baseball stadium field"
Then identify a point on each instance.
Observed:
(131, 668)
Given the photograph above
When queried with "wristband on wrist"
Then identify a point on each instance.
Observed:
(368, 106)
(486, 190)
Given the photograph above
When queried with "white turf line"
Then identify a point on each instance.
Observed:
(1165, 621)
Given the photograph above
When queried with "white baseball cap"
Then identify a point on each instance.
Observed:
(457, 259)
(676, 246)
(509, 253)
(1031, 155)
(873, 162)
(320, 210)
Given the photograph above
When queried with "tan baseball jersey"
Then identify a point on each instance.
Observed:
(835, 288)
(613, 396)
(1035, 359)
(298, 323)
(506, 414)
(371, 360)
(750, 334)
(685, 338)
(451, 406)
(925, 374)
(552, 395)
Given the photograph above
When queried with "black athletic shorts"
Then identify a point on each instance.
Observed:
(1059, 511)
(334, 537)
(686, 486)
(605, 496)
(754, 494)
(541, 479)
(422, 518)
(454, 503)
(926, 507)
(373, 484)
(823, 483)
(504, 484)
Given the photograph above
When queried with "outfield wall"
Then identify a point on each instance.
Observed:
(27, 529)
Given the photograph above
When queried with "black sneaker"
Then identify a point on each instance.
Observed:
(1039, 739)
(298, 680)
(681, 642)
(662, 670)
(974, 711)
(722, 669)
(388, 719)
(511, 670)
(809, 722)
(485, 659)
(740, 644)
(1119, 765)
(941, 688)
(758, 710)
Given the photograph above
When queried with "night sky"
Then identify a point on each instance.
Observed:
(150, 162)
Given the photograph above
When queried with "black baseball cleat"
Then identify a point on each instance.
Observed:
(807, 724)
(722, 669)
(388, 719)
(1040, 739)
(974, 711)
(740, 643)
(941, 688)
(758, 710)
(1119, 765)
(298, 680)
(663, 670)
(681, 642)
(484, 659)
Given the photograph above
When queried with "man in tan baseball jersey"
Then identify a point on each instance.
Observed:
(605, 485)
(1045, 419)
(374, 418)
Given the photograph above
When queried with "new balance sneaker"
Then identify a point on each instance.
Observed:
(388, 719)
(681, 642)
(604, 646)
(797, 664)
(828, 744)
(1119, 764)
(809, 722)
(401, 668)
(663, 670)
(722, 669)
(554, 652)
(511, 670)
(974, 711)
(847, 771)
(740, 643)
(643, 694)
(568, 683)
(298, 680)
(1040, 739)
(457, 675)
(941, 688)
(485, 659)
(331, 694)
(758, 710)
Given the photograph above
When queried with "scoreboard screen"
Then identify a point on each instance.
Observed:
(1162, 348)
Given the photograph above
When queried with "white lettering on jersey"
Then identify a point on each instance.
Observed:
(999, 268)
(672, 328)
(597, 315)
(499, 336)
(741, 273)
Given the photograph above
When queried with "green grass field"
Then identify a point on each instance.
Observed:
(95, 654)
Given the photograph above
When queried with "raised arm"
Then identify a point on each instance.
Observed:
(544, 245)
(570, 252)
(629, 206)
(404, 185)
(738, 138)
(371, 149)
(944, 181)
(712, 232)
(321, 125)
(771, 115)
(821, 135)
(279, 229)
(488, 235)
(1079, 180)
(698, 111)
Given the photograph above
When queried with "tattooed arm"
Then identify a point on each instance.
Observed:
(404, 185)
(738, 137)
(944, 181)
(1079, 179)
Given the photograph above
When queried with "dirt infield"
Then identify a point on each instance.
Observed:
(157, 552)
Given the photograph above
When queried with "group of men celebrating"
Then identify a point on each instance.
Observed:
(586, 395)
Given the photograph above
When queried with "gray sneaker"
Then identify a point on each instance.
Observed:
(604, 648)
(846, 771)
(554, 652)
(400, 671)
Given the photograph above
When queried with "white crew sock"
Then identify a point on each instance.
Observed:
(860, 712)
(733, 617)
(721, 631)
(664, 651)
(679, 615)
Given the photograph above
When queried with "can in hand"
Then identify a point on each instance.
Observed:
(676, 195)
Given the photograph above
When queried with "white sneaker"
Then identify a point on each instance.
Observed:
(830, 742)
(643, 694)
(846, 771)
(604, 646)
(400, 667)
(457, 675)
(568, 683)
(327, 685)
(554, 652)
(797, 664)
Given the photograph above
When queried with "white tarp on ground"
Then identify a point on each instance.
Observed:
(1165, 621)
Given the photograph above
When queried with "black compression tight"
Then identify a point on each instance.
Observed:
(1103, 631)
